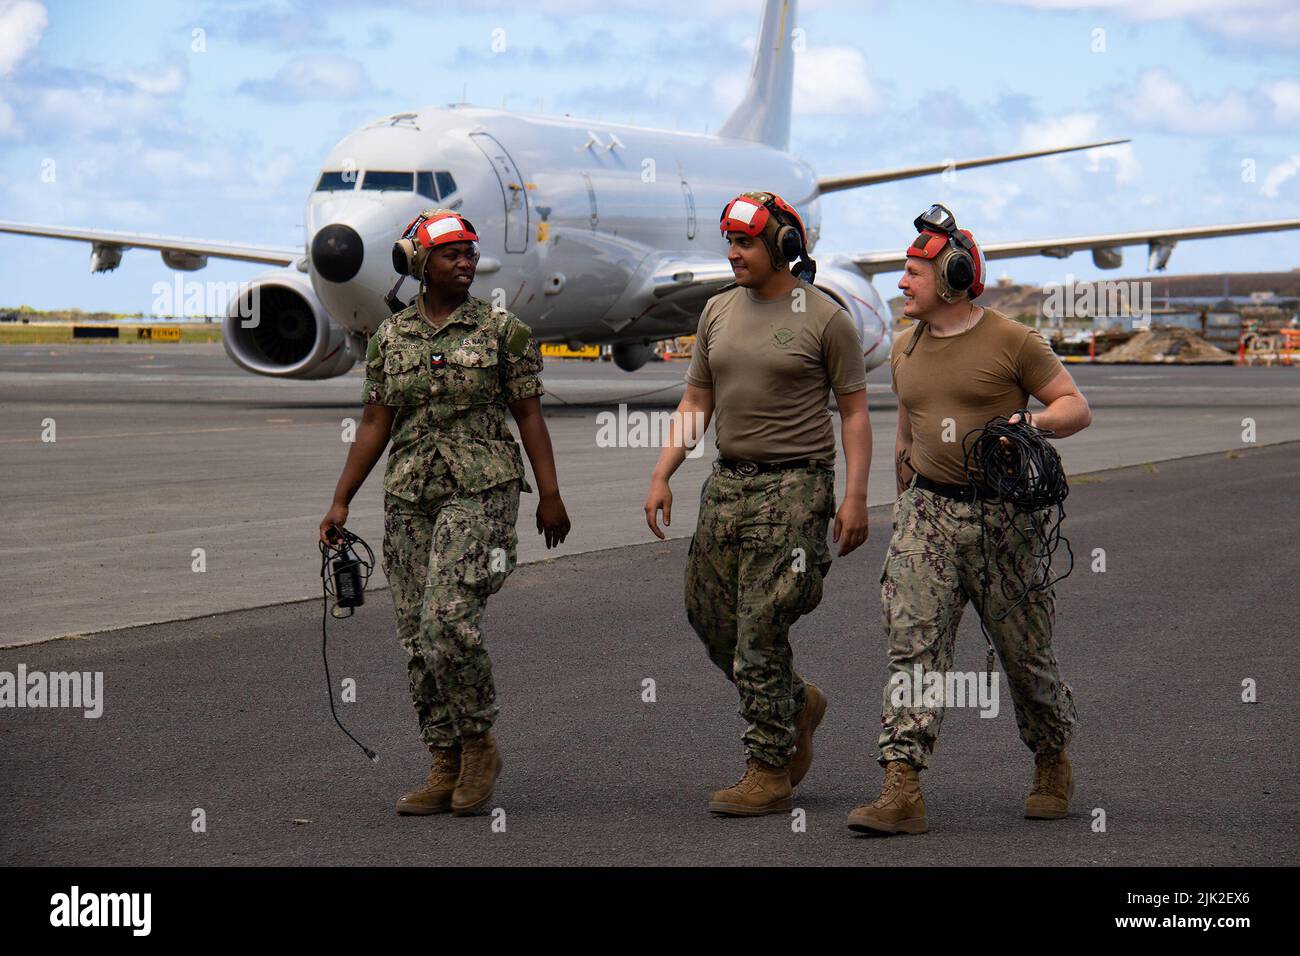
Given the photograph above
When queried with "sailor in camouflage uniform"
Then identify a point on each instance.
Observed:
(440, 376)
(768, 354)
(959, 367)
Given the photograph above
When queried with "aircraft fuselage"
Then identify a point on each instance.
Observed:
(569, 212)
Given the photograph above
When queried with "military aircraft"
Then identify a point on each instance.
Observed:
(590, 232)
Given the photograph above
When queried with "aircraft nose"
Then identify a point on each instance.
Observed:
(336, 252)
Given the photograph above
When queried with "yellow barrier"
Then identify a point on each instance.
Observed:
(553, 350)
(159, 333)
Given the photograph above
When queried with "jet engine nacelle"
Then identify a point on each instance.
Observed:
(630, 356)
(105, 257)
(871, 317)
(184, 261)
(1107, 258)
(276, 326)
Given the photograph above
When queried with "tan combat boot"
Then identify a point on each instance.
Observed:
(434, 796)
(1053, 787)
(480, 765)
(763, 789)
(900, 808)
(814, 709)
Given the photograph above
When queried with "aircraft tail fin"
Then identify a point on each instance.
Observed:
(763, 114)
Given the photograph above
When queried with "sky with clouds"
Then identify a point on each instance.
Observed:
(209, 119)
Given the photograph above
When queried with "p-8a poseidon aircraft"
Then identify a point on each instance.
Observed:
(590, 232)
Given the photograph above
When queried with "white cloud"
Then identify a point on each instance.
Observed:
(1072, 129)
(8, 128)
(833, 79)
(991, 201)
(1262, 22)
(1278, 175)
(169, 166)
(978, 203)
(313, 77)
(95, 107)
(21, 24)
(1165, 103)
(1285, 96)
(158, 82)
(828, 80)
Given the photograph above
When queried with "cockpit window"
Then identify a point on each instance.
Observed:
(432, 185)
(385, 181)
(334, 180)
(436, 185)
(424, 185)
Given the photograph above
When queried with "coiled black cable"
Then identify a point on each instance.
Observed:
(343, 548)
(1013, 466)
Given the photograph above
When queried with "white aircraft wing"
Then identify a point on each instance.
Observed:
(1105, 248)
(830, 184)
(178, 252)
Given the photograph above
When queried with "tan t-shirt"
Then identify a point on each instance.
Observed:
(952, 384)
(771, 369)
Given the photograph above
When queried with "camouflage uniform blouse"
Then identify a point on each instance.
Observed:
(450, 386)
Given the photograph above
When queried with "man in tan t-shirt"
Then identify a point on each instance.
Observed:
(959, 366)
(768, 353)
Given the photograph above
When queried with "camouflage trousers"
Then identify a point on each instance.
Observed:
(755, 566)
(933, 567)
(443, 559)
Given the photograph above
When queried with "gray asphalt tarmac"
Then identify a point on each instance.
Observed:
(164, 449)
(227, 714)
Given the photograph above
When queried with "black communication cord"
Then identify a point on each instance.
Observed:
(344, 575)
(1013, 466)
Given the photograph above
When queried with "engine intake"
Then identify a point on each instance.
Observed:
(276, 326)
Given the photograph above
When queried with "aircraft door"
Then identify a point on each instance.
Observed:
(513, 193)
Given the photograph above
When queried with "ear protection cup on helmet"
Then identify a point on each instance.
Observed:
(405, 250)
(404, 257)
(959, 271)
(954, 274)
(789, 243)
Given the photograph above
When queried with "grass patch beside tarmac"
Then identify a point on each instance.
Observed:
(12, 333)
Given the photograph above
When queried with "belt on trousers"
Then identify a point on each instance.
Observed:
(750, 468)
(955, 492)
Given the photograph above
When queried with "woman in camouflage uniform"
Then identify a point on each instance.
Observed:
(440, 376)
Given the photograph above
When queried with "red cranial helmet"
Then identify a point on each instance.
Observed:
(770, 218)
(424, 233)
(959, 266)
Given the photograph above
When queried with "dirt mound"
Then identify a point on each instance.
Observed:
(1168, 344)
